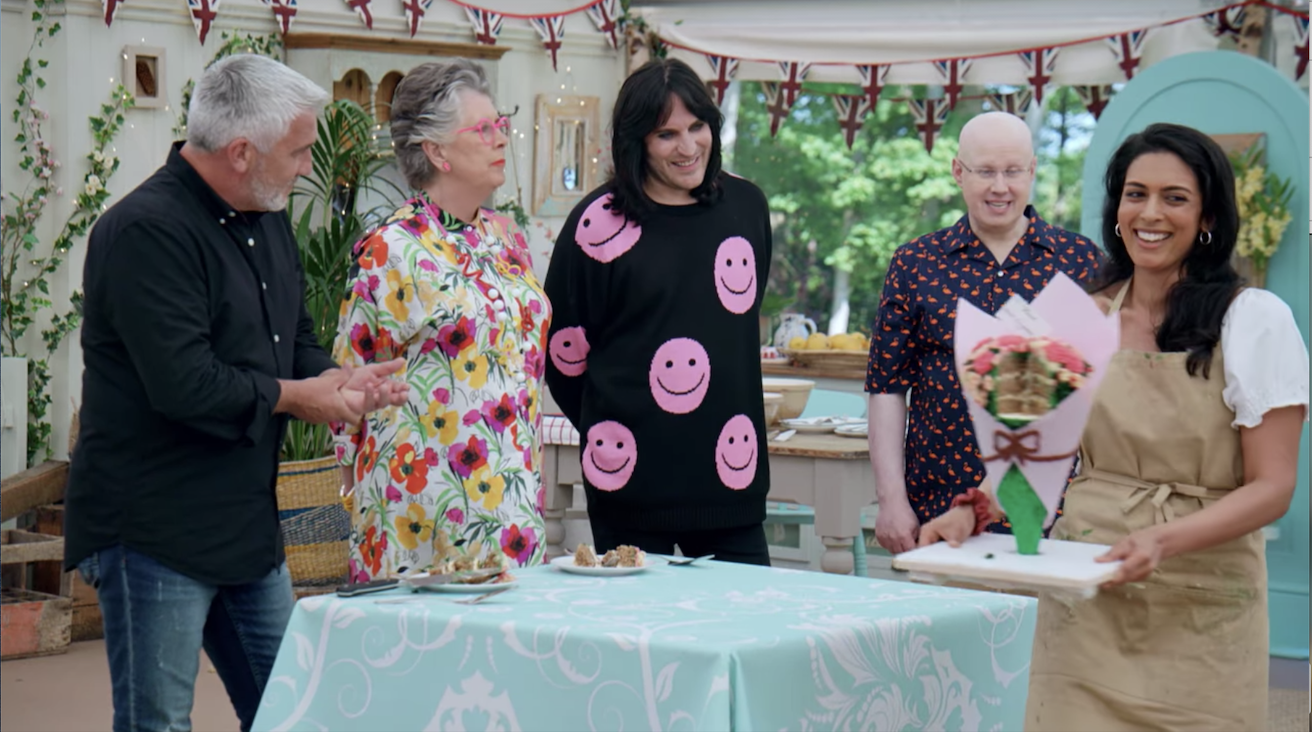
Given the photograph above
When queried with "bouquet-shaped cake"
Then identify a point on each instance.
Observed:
(1029, 375)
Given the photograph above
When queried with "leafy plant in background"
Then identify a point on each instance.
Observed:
(1263, 198)
(329, 219)
(27, 265)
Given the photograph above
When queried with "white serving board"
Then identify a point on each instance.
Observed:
(1059, 565)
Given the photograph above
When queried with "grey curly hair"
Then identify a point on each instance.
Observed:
(426, 107)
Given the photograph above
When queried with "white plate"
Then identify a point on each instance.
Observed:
(566, 564)
(807, 428)
(852, 430)
(469, 589)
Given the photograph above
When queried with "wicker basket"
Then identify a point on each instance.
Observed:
(829, 358)
(316, 528)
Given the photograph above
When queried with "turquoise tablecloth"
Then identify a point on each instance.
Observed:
(713, 647)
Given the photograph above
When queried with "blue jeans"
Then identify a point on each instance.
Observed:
(156, 622)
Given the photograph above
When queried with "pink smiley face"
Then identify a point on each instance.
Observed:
(735, 453)
(603, 234)
(609, 456)
(569, 350)
(680, 375)
(735, 274)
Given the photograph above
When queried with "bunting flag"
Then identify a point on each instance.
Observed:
(203, 13)
(605, 15)
(110, 8)
(792, 73)
(284, 12)
(1095, 98)
(1128, 47)
(954, 74)
(724, 68)
(1300, 45)
(487, 25)
(552, 29)
(930, 115)
(1038, 69)
(414, 13)
(872, 81)
(361, 8)
(1227, 21)
(1017, 102)
(852, 111)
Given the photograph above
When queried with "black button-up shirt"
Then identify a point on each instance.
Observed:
(193, 311)
(911, 342)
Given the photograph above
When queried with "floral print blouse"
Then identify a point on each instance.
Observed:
(456, 470)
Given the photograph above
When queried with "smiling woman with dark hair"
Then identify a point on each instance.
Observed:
(656, 284)
(1190, 449)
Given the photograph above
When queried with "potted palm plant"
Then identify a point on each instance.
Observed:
(330, 211)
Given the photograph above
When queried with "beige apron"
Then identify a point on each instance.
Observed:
(1187, 648)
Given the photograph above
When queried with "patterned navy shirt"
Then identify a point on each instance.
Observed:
(911, 342)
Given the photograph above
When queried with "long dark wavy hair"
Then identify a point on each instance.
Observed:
(644, 104)
(1196, 304)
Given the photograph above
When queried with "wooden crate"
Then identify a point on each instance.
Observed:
(33, 487)
(51, 579)
(33, 623)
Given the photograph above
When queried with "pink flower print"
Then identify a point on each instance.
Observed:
(528, 457)
(524, 402)
(518, 544)
(471, 417)
(533, 363)
(442, 395)
(430, 456)
(456, 337)
(356, 572)
(427, 265)
(365, 290)
(393, 494)
(467, 457)
(428, 346)
(455, 516)
(542, 499)
(500, 414)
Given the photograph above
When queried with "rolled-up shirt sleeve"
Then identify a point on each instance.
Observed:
(156, 290)
(894, 363)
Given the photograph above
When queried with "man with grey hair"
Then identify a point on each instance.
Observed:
(197, 349)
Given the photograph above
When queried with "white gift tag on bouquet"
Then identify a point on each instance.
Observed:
(1017, 315)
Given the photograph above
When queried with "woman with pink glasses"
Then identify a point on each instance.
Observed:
(448, 286)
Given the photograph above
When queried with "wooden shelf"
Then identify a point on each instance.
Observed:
(393, 45)
(810, 372)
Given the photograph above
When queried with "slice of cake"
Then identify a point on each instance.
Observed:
(611, 559)
(631, 556)
(585, 556)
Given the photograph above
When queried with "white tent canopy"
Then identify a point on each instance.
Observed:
(837, 35)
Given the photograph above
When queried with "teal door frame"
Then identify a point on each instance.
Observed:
(1222, 92)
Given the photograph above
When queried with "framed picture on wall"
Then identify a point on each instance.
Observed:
(565, 160)
(143, 76)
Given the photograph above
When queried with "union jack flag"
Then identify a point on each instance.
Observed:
(414, 13)
(1017, 102)
(1128, 47)
(852, 111)
(605, 15)
(1095, 98)
(487, 25)
(552, 29)
(110, 7)
(284, 11)
(872, 82)
(930, 115)
(1038, 68)
(724, 69)
(780, 96)
(361, 8)
(1300, 45)
(954, 74)
(203, 13)
(1227, 21)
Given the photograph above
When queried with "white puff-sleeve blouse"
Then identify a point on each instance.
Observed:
(1266, 360)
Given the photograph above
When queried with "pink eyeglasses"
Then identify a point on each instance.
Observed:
(487, 129)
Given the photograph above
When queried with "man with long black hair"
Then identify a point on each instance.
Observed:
(656, 284)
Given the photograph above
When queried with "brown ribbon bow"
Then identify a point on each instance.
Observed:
(1021, 447)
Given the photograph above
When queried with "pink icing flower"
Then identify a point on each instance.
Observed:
(983, 363)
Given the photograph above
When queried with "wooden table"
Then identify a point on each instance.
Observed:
(831, 474)
(834, 379)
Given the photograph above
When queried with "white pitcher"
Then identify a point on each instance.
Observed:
(792, 325)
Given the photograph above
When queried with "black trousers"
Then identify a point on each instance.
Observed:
(741, 544)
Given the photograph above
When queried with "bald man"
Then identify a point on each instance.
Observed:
(924, 454)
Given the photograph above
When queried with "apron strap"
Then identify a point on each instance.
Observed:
(1159, 493)
(1120, 297)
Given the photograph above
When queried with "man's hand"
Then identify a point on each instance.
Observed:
(954, 527)
(896, 527)
(317, 400)
(367, 388)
